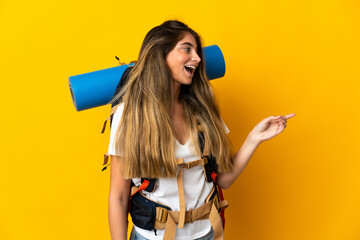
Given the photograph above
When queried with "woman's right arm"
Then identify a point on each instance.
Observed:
(118, 201)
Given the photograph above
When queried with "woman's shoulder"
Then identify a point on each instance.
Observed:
(117, 109)
(116, 114)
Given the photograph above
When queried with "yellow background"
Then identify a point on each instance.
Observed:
(281, 57)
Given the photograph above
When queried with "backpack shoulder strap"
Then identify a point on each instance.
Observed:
(124, 78)
(210, 167)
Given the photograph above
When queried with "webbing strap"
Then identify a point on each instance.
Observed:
(181, 199)
(173, 218)
(170, 229)
(192, 215)
(206, 151)
(192, 164)
(223, 204)
(182, 204)
(106, 161)
(206, 211)
(222, 201)
(216, 224)
(112, 111)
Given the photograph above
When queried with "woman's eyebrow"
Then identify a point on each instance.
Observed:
(187, 43)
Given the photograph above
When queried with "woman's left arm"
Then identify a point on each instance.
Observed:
(265, 130)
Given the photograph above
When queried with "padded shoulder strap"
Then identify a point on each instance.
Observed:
(201, 141)
(124, 78)
(211, 166)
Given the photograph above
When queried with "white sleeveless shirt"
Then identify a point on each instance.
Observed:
(196, 188)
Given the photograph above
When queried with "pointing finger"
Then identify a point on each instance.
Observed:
(290, 115)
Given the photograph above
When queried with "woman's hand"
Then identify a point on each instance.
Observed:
(265, 130)
(270, 127)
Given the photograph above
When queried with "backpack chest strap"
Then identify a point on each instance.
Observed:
(199, 162)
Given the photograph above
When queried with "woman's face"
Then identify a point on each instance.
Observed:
(183, 60)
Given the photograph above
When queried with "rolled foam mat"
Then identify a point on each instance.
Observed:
(97, 88)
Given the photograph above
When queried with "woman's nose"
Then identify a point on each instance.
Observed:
(196, 57)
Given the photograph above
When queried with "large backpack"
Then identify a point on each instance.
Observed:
(151, 215)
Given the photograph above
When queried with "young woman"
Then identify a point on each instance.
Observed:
(167, 127)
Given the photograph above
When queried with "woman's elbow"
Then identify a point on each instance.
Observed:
(224, 186)
(221, 182)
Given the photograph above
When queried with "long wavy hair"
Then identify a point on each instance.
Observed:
(145, 138)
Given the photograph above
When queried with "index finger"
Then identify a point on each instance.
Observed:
(290, 115)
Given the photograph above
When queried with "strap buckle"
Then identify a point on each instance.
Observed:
(190, 165)
(191, 216)
(163, 214)
(195, 163)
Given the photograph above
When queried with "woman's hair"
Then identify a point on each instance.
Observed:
(145, 138)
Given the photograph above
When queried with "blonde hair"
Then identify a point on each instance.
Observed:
(145, 137)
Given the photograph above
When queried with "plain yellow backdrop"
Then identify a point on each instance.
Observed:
(281, 57)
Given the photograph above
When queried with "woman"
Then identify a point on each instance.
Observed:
(155, 134)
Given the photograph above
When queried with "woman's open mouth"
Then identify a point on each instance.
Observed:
(190, 69)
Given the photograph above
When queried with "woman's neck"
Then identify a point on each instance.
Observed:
(176, 93)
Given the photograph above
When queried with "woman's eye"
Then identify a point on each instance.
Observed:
(187, 49)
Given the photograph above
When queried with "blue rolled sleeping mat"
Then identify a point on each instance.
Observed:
(97, 88)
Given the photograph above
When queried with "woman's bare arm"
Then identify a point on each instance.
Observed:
(241, 159)
(265, 130)
(118, 201)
